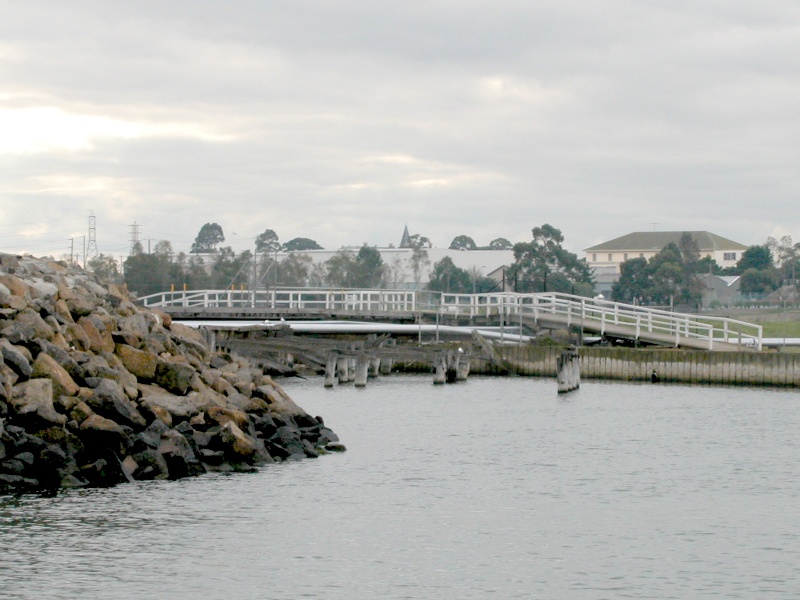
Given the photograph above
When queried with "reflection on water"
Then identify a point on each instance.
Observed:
(492, 488)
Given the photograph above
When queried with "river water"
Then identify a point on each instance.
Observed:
(491, 488)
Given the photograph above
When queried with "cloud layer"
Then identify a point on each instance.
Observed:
(344, 121)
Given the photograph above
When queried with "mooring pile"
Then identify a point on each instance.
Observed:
(96, 391)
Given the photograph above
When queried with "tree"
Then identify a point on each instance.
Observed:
(759, 281)
(146, 274)
(419, 241)
(267, 241)
(163, 247)
(230, 270)
(104, 267)
(633, 285)
(368, 269)
(500, 244)
(537, 262)
(755, 257)
(339, 268)
(295, 270)
(209, 236)
(419, 255)
(446, 277)
(669, 277)
(463, 242)
(300, 243)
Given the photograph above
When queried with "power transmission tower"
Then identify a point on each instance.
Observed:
(134, 237)
(91, 248)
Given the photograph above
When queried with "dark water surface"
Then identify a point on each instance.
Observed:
(493, 488)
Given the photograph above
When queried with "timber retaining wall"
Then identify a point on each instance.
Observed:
(636, 364)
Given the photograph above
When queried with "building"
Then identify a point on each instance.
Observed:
(605, 259)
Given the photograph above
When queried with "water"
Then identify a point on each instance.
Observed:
(493, 488)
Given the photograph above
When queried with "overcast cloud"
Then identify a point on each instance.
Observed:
(343, 121)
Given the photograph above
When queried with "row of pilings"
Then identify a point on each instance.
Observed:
(665, 365)
(448, 366)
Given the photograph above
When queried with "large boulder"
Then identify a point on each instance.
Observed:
(45, 366)
(175, 377)
(109, 400)
(178, 454)
(15, 358)
(141, 363)
(32, 402)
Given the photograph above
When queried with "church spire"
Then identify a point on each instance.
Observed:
(406, 241)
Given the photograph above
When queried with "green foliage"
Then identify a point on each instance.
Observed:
(150, 273)
(295, 270)
(500, 244)
(300, 243)
(368, 268)
(267, 241)
(446, 277)
(230, 270)
(760, 281)
(755, 257)
(104, 267)
(463, 242)
(209, 236)
(362, 270)
(668, 278)
(544, 265)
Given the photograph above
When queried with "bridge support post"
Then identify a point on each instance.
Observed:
(362, 370)
(440, 369)
(462, 370)
(330, 370)
(386, 365)
(569, 370)
(342, 372)
(374, 366)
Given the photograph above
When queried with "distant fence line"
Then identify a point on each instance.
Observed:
(670, 365)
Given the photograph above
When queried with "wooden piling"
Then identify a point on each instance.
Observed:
(440, 369)
(362, 370)
(569, 370)
(330, 370)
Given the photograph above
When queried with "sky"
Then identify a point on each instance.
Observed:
(345, 120)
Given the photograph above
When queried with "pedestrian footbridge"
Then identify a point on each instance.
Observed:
(550, 310)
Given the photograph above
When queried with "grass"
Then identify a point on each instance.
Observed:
(777, 323)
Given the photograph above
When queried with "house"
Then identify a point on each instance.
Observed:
(605, 259)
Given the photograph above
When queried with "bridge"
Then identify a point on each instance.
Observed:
(549, 310)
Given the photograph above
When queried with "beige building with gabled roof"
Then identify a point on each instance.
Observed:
(606, 258)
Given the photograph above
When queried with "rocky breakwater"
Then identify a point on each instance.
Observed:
(97, 391)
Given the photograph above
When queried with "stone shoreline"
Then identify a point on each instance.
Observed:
(97, 391)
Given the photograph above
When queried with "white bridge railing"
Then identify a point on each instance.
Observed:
(602, 316)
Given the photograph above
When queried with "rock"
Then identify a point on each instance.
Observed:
(33, 402)
(178, 454)
(45, 366)
(110, 401)
(150, 465)
(279, 401)
(15, 358)
(175, 377)
(180, 407)
(140, 363)
(30, 318)
(97, 343)
(77, 336)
